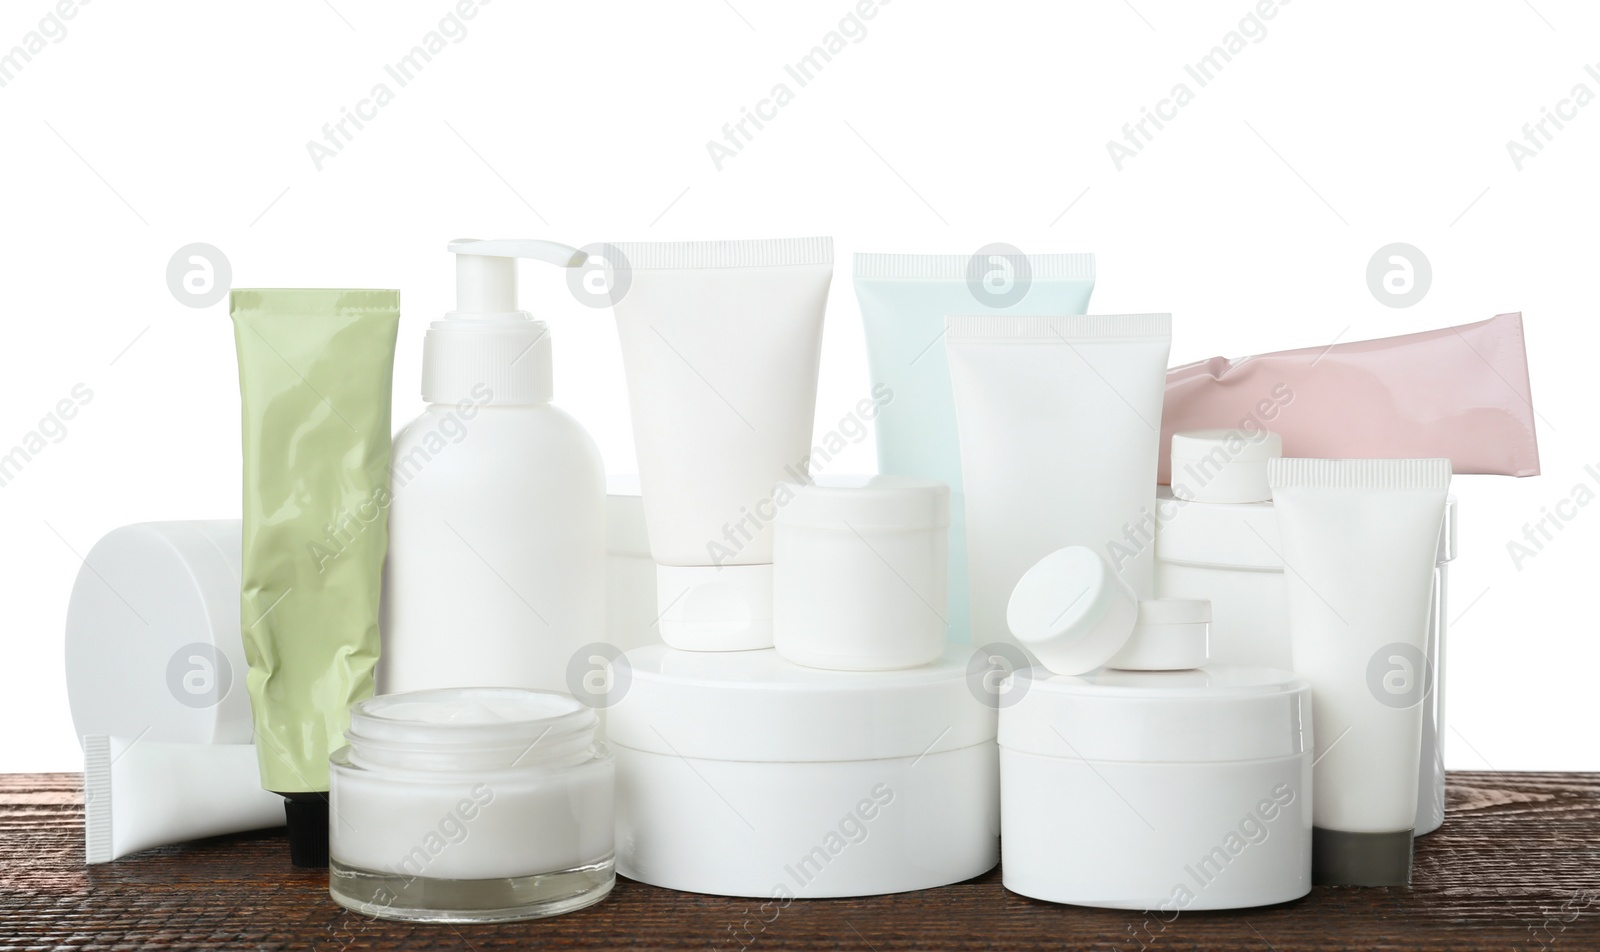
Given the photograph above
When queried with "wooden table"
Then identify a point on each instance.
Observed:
(1516, 866)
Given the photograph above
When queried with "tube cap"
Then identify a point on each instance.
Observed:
(1223, 465)
(307, 814)
(1072, 610)
(1171, 634)
(715, 608)
(1340, 858)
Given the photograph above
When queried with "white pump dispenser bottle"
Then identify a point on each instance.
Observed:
(496, 568)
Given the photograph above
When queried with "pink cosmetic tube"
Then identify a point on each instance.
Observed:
(1458, 392)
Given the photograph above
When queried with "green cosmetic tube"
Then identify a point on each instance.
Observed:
(315, 374)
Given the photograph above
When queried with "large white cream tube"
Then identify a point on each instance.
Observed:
(1359, 541)
(1059, 420)
(721, 342)
(139, 794)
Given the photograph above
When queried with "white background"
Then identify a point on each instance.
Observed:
(948, 126)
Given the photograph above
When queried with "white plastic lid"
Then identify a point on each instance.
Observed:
(1171, 634)
(715, 608)
(1072, 610)
(866, 502)
(1208, 715)
(1223, 465)
(755, 706)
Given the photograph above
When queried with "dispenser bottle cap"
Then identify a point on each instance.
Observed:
(487, 350)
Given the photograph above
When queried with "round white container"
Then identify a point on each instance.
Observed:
(741, 774)
(859, 572)
(632, 619)
(153, 646)
(470, 805)
(1223, 465)
(1171, 634)
(1164, 791)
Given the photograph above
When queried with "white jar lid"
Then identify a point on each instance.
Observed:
(1072, 610)
(865, 502)
(1223, 465)
(1171, 634)
(1208, 715)
(755, 706)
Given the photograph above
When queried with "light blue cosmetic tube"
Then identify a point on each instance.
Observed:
(904, 301)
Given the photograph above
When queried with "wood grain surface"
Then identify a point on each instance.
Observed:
(1515, 866)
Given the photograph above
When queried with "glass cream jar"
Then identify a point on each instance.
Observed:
(470, 805)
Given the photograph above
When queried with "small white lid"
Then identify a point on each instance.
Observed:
(755, 706)
(1171, 634)
(715, 608)
(865, 502)
(1223, 465)
(1208, 715)
(1072, 610)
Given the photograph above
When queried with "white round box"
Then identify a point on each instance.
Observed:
(741, 774)
(1158, 790)
(859, 571)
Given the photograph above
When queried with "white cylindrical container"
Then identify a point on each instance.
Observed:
(1223, 465)
(741, 774)
(631, 613)
(470, 805)
(1169, 635)
(1228, 553)
(153, 646)
(1164, 791)
(859, 572)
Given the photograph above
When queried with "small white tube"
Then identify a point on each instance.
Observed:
(1059, 421)
(1360, 539)
(721, 342)
(139, 794)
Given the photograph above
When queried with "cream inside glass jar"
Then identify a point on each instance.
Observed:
(470, 805)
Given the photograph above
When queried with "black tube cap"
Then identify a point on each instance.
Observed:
(1339, 858)
(307, 814)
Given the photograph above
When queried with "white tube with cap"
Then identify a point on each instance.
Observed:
(1060, 423)
(1359, 540)
(139, 794)
(721, 342)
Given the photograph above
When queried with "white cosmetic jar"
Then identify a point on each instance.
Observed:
(1162, 791)
(859, 572)
(1223, 466)
(470, 805)
(741, 774)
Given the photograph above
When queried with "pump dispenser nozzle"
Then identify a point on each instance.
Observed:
(488, 350)
(486, 271)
